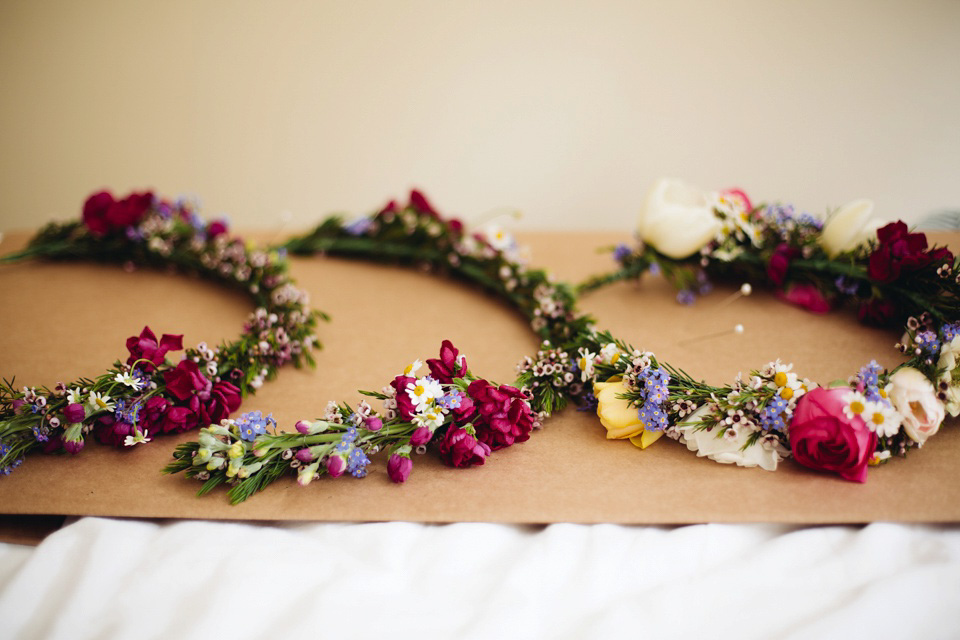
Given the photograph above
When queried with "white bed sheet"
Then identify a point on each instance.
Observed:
(99, 578)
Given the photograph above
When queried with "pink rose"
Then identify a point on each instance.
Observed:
(823, 437)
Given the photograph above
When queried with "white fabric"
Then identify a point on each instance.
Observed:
(102, 578)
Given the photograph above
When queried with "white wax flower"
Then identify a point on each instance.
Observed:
(677, 219)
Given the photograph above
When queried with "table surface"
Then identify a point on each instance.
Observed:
(62, 321)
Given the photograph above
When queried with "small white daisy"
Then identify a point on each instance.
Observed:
(610, 353)
(100, 402)
(854, 404)
(882, 419)
(412, 368)
(585, 363)
(138, 437)
(424, 392)
(128, 380)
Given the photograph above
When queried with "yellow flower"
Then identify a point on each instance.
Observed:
(619, 417)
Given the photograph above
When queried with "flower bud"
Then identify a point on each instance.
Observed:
(336, 466)
(421, 436)
(74, 413)
(373, 423)
(304, 455)
(398, 468)
(303, 426)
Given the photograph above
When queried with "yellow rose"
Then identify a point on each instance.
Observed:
(619, 417)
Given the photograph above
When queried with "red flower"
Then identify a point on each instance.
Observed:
(222, 400)
(823, 438)
(460, 449)
(146, 347)
(405, 406)
(102, 214)
(179, 419)
(504, 414)
(806, 296)
(419, 202)
(780, 262)
(186, 380)
(878, 311)
(450, 365)
(153, 414)
(899, 251)
(95, 212)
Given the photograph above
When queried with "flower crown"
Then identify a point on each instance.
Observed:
(684, 235)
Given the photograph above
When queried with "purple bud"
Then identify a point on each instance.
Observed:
(73, 446)
(303, 426)
(398, 468)
(304, 455)
(19, 402)
(421, 435)
(74, 413)
(336, 466)
(373, 423)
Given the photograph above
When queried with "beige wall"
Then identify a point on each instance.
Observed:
(566, 111)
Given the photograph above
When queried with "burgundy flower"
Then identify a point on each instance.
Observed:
(807, 296)
(878, 311)
(127, 212)
(405, 406)
(398, 468)
(460, 449)
(780, 262)
(186, 380)
(73, 446)
(213, 406)
(823, 437)
(899, 250)
(450, 365)
(110, 431)
(390, 208)
(95, 212)
(216, 228)
(153, 414)
(504, 415)
(146, 347)
(419, 202)
(178, 420)
(74, 413)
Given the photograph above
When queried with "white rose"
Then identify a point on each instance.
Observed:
(727, 450)
(915, 399)
(949, 354)
(677, 219)
(849, 227)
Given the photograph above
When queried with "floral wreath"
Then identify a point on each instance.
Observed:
(145, 395)
(685, 235)
(889, 273)
(444, 407)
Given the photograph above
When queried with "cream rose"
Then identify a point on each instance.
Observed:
(915, 399)
(949, 356)
(729, 450)
(849, 227)
(677, 220)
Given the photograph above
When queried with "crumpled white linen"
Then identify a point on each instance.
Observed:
(192, 579)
